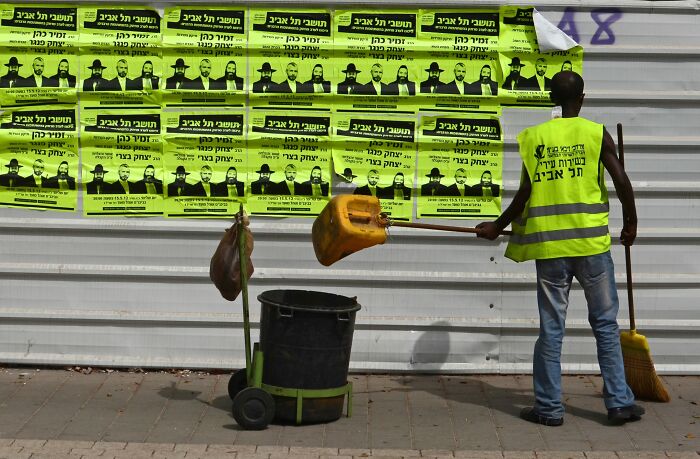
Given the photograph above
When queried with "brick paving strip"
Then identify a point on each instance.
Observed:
(60, 449)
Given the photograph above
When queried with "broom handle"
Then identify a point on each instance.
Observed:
(458, 229)
(628, 259)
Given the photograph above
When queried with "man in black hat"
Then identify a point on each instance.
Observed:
(179, 186)
(262, 185)
(265, 83)
(230, 81)
(95, 82)
(178, 79)
(349, 85)
(397, 191)
(97, 185)
(37, 179)
(402, 86)
(121, 82)
(61, 180)
(11, 79)
(484, 86)
(344, 183)
(149, 184)
(231, 187)
(63, 78)
(539, 82)
(147, 81)
(12, 178)
(434, 187)
(432, 84)
(37, 78)
(317, 84)
(514, 81)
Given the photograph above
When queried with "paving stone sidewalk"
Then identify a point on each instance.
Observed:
(182, 414)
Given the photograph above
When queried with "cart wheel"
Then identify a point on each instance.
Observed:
(253, 408)
(238, 382)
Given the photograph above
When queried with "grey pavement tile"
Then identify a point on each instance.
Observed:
(216, 425)
(393, 417)
(95, 416)
(642, 455)
(311, 435)
(350, 432)
(272, 450)
(601, 455)
(191, 448)
(355, 452)
(467, 454)
(149, 446)
(436, 452)
(650, 434)
(186, 404)
(70, 396)
(170, 455)
(226, 449)
(560, 455)
(682, 454)
(30, 444)
(312, 451)
(28, 400)
(395, 452)
(323, 456)
(519, 455)
(109, 445)
(269, 436)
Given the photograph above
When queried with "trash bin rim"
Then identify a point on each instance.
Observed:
(305, 307)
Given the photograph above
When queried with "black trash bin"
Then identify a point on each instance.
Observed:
(306, 338)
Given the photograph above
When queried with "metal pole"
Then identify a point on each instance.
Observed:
(244, 290)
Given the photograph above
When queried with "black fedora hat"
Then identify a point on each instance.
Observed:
(351, 68)
(98, 168)
(265, 169)
(434, 172)
(347, 172)
(180, 170)
(434, 66)
(180, 62)
(515, 61)
(13, 163)
(266, 67)
(13, 62)
(97, 64)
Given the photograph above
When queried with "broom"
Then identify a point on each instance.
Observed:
(639, 368)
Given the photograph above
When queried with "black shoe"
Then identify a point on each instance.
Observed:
(529, 414)
(625, 414)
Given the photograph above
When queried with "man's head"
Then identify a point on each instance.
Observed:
(292, 71)
(373, 177)
(266, 72)
(317, 74)
(398, 180)
(147, 69)
(541, 66)
(98, 173)
(435, 176)
(230, 70)
(485, 74)
(402, 74)
(122, 68)
(460, 71)
(290, 172)
(460, 176)
(567, 65)
(149, 174)
(486, 178)
(265, 173)
(351, 72)
(38, 167)
(567, 90)
(38, 66)
(124, 172)
(180, 67)
(205, 173)
(63, 170)
(231, 175)
(316, 175)
(181, 174)
(205, 68)
(13, 66)
(377, 71)
(96, 68)
(515, 67)
(13, 167)
(434, 71)
(63, 68)
(347, 176)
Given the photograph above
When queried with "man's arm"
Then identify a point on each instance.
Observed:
(491, 230)
(623, 187)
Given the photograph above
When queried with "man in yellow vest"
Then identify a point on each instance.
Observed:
(559, 218)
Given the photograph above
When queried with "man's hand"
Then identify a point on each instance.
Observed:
(628, 233)
(488, 230)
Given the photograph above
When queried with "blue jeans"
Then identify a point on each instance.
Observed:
(596, 274)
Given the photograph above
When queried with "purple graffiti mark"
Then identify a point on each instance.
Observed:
(568, 24)
(613, 15)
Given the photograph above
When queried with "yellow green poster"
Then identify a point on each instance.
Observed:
(36, 75)
(121, 162)
(378, 155)
(289, 163)
(460, 167)
(39, 155)
(203, 76)
(222, 27)
(290, 58)
(120, 76)
(463, 31)
(204, 162)
(128, 27)
(517, 30)
(50, 26)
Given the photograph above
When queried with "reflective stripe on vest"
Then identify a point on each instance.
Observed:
(563, 209)
(560, 235)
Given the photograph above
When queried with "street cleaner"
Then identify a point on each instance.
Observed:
(559, 219)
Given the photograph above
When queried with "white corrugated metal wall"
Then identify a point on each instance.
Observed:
(136, 292)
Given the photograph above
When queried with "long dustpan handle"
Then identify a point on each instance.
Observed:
(628, 259)
(458, 229)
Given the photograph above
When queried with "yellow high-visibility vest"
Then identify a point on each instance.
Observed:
(567, 213)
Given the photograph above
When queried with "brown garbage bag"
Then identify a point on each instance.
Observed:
(225, 265)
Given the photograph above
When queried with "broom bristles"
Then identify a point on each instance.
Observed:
(639, 368)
